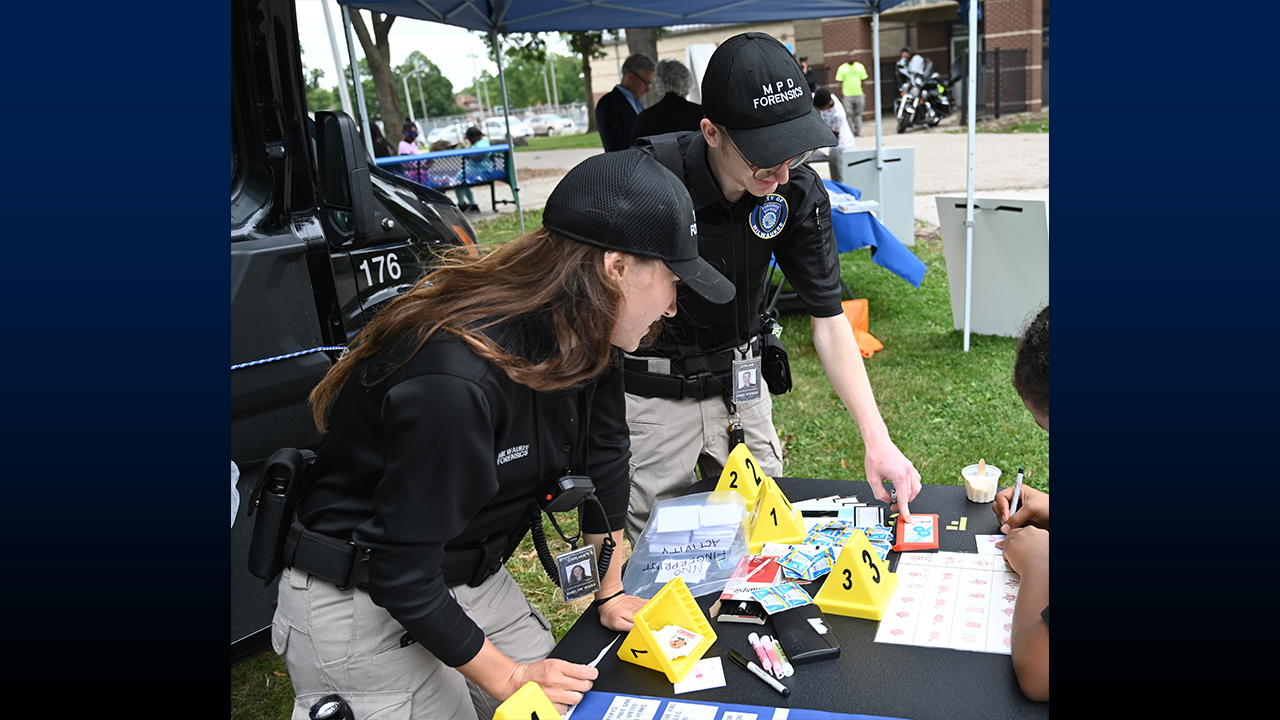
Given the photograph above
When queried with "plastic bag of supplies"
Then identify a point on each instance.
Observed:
(699, 538)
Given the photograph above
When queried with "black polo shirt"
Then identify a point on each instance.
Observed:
(444, 452)
(794, 224)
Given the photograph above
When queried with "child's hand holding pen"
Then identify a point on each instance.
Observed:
(1033, 509)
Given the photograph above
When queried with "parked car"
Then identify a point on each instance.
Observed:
(495, 128)
(451, 134)
(552, 125)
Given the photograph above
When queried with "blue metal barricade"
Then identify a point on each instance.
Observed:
(450, 169)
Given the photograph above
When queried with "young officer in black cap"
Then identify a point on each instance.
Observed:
(754, 196)
(456, 407)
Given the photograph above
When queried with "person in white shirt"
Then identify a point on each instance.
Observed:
(833, 114)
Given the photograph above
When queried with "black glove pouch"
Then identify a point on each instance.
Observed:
(280, 486)
(774, 364)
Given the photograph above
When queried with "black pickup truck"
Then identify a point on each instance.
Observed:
(321, 238)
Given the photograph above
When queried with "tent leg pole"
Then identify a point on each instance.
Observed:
(506, 116)
(337, 58)
(355, 79)
(875, 62)
(972, 98)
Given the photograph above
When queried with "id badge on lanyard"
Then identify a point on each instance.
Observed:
(746, 380)
(579, 576)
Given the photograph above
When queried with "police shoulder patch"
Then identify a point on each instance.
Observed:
(769, 217)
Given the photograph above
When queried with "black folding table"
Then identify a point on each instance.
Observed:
(868, 678)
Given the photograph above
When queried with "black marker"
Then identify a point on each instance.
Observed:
(754, 669)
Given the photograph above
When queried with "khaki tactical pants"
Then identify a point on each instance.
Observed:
(339, 641)
(670, 437)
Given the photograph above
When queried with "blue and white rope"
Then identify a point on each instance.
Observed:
(286, 357)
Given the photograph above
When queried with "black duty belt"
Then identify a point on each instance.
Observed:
(343, 564)
(697, 377)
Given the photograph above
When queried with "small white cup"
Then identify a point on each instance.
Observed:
(981, 488)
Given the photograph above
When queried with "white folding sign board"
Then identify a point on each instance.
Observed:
(897, 207)
(1010, 261)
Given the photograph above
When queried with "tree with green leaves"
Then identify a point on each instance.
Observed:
(532, 49)
(317, 97)
(437, 90)
(590, 45)
(377, 52)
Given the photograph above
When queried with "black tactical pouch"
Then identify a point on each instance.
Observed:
(774, 365)
(279, 487)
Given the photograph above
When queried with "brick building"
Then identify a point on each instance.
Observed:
(1018, 28)
(604, 71)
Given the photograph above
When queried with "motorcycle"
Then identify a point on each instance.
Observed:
(925, 97)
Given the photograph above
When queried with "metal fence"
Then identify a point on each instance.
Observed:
(1002, 83)
(577, 112)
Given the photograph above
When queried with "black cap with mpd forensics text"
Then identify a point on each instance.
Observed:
(629, 202)
(754, 88)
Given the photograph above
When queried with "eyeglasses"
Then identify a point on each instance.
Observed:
(762, 173)
(647, 83)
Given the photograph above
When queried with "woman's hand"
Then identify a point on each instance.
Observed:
(1034, 510)
(563, 682)
(619, 613)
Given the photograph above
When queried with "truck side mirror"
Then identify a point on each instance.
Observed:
(344, 175)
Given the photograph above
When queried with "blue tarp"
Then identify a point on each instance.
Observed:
(516, 16)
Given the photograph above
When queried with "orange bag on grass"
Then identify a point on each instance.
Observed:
(857, 313)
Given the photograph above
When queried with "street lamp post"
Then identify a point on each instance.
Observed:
(408, 99)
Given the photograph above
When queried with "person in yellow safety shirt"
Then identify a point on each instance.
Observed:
(852, 73)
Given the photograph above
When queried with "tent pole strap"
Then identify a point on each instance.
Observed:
(506, 116)
(355, 78)
(971, 91)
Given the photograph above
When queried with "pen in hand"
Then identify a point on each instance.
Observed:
(1017, 493)
(754, 669)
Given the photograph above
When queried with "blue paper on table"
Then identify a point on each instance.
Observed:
(859, 230)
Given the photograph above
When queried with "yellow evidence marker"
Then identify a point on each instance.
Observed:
(860, 584)
(673, 605)
(742, 474)
(527, 702)
(774, 520)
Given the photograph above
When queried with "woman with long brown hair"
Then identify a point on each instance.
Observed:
(463, 401)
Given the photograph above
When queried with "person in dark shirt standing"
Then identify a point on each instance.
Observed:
(617, 111)
(458, 405)
(808, 74)
(672, 113)
(756, 200)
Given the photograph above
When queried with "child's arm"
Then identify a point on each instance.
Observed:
(1027, 551)
(1034, 509)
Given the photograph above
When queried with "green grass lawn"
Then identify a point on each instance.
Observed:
(562, 142)
(1019, 123)
(944, 408)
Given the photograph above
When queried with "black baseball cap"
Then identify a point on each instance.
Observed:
(629, 202)
(754, 88)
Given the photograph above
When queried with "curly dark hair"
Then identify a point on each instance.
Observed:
(1031, 369)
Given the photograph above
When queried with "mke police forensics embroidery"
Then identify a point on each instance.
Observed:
(769, 217)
